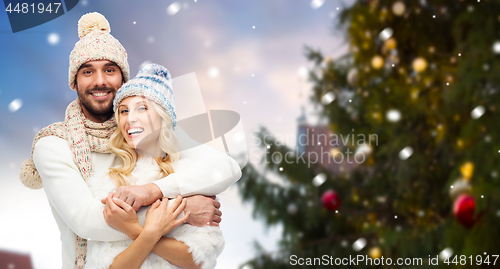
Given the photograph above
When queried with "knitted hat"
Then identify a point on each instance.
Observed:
(154, 83)
(96, 44)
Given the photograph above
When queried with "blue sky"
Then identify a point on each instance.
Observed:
(258, 78)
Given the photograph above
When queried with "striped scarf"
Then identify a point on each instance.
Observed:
(84, 136)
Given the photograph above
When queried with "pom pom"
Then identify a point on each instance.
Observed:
(29, 175)
(92, 22)
(154, 70)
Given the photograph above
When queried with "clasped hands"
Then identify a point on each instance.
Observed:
(121, 207)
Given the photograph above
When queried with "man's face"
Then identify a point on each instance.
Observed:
(96, 84)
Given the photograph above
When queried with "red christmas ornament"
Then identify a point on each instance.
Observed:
(330, 200)
(463, 209)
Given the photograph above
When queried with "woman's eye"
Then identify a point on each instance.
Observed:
(142, 108)
(123, 111)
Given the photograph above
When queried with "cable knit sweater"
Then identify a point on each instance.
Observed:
(77, 212)
(205, 243)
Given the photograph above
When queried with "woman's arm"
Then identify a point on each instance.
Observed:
(175, 252)
(159, 220)
(123, 217)
(137, 252)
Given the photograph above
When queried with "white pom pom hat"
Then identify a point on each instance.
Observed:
(95, 44)
(153, 82)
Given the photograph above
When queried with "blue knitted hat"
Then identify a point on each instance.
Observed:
(154, 83)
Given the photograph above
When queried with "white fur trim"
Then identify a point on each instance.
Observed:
(205, 243)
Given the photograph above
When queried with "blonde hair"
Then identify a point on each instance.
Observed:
(168, 144)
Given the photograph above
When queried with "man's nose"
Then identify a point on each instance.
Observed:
(100, 79)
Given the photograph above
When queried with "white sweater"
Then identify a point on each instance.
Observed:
(204, 243)
(77, 212)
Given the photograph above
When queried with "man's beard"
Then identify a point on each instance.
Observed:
(95, 107)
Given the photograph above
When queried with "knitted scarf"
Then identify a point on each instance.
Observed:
(84, 136)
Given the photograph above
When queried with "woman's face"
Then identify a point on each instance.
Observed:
(140, 125)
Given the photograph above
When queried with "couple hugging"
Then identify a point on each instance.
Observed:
(110, 167)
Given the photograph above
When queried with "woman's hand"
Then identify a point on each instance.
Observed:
(122, 217)
(160, 220)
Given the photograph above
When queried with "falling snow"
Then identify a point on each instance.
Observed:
(477, 112)
(405, 153)
(359, 244)
(393, 115)
(315, 4)
(213, 72)
(173, 8)
(53, 39)
(319, 179)
(386, 34)
(15, 105)
(446, 253)
(327, 98)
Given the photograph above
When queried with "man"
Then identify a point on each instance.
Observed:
(66, 154)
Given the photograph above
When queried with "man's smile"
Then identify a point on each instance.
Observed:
(100, 95)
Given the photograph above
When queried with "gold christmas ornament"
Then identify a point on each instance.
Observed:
(375, 253)
(377, 62)
(352, 76)
(467, 169)
(390, 44)
(334, 152)
(414, 93)
(383, 14)
(372, 217)
(419, 64)
(398, 8)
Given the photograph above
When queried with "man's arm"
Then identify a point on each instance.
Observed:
(68, 193)
(201, 170)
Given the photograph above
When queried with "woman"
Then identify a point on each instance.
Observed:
(149, 150)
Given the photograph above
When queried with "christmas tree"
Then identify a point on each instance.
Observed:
(418, 93)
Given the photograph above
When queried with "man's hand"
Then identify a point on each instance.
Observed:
(137, 195)
(203, 211)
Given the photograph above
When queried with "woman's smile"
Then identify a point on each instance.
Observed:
(133, 132)
(140, 124)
